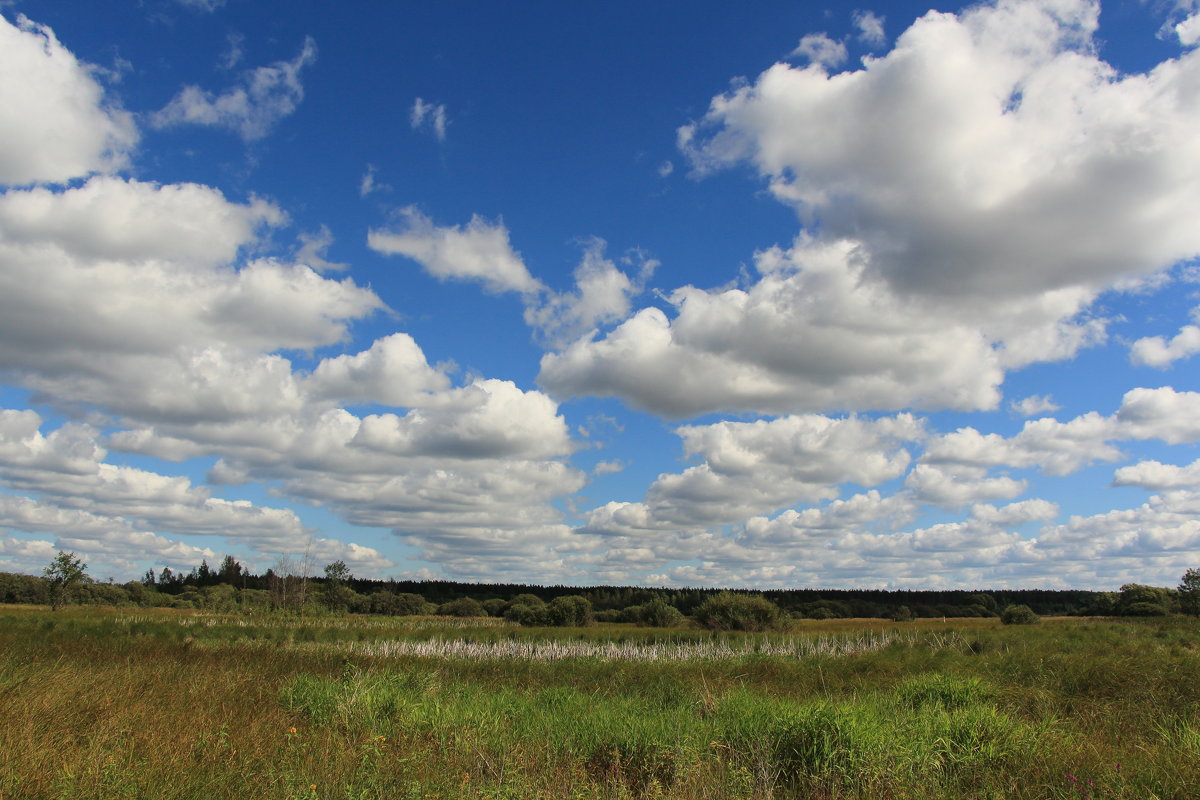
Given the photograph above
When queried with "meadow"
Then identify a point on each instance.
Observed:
(163, 703)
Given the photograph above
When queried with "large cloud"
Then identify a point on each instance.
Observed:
(720, 523)
(1003, 155)
(54, 121)
(760, 467)
(966, 196)
(150, 310)
(839, 545)
(810, 334)
(119, 513)
(1060, 448)
(461, 470)
(67, 470)
(123, 294)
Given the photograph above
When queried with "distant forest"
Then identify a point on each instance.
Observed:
(230, 587)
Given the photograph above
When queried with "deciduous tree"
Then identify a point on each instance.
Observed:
(65, 572)
(1189, 593)
(335, 592)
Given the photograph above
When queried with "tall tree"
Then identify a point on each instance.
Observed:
(65, 572)
(230, 571)
(1189, 593)
(337, 594)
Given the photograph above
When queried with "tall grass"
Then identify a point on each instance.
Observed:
(95, 704)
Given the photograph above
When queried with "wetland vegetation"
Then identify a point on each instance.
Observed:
(100, 702)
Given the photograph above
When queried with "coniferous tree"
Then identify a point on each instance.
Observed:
(230, 571)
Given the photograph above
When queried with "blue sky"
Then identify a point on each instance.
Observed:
(667, 294)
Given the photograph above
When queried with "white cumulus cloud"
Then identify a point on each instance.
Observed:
(479, 251)
(1158, 476)
(54, 122)
(1006, 178)
(1156, 351)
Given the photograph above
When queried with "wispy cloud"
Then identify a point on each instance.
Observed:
(369, 185)
(431, 116)
(820, 49)
(251, 109)
(870, 28)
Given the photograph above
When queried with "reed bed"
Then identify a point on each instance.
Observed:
(791, 647)
(333, 623)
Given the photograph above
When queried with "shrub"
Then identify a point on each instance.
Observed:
(462, 607)
(728, 611)
(102, 594)
(527, 615)
(566, 611)
(527, 609)
(1019, 615)
(494, 607)
(985, 600)
(404, 604)
(1145, 609)
(631, 614)
(569, 611)
(658, 613)
(221, 597)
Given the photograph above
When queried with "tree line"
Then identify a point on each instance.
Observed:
(287, 588)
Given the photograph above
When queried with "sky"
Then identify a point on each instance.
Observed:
(673, 294)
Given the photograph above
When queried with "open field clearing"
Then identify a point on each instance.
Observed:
(101, 703)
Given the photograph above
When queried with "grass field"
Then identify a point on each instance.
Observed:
(118, 703)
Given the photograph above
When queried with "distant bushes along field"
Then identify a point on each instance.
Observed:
(287, 589)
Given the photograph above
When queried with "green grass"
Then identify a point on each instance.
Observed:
(166, 704)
